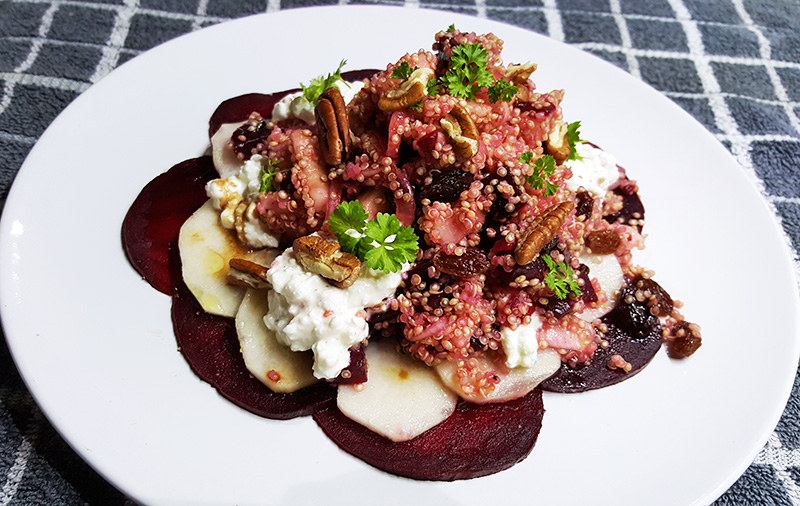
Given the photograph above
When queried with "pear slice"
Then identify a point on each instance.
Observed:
(514, 383)
(206, 248)
(270, 362)
(608, 272)
(225, 159)
(402, 397)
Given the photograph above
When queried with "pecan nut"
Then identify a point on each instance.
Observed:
(556, 144)
(411, 91)
(518, 75)
(247, 274)
(541, 231)
(461, 129)
(333, 124)
(326, 259)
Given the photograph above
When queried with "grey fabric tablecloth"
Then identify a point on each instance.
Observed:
(732, 64)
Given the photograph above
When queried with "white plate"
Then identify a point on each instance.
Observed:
(95, 344)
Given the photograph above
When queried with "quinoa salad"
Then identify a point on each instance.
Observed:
(408, 255)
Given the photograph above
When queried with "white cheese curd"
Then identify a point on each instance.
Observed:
(296, 106)
(242, 186)
(596, 172)
(308, 313)
(521, 344)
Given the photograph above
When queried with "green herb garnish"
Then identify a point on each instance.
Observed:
(268, 173)
(320, 84)
(560, 278)
(383, 243)
(432, 87)
(543, 168)
(467, 73)
(451, 28)
(403, 71)
(502, 90)
(573, 137)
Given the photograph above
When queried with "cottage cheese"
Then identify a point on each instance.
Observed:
(242, 186)
(307, 313)
(295, 105)
(596, 172)
(522, 344)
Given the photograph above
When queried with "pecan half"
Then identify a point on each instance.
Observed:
(247, 274)
(519, 74)
(333, 124)
(410, 92)
(326, 259)
(541, 231)
(557, 144)
(461, 129)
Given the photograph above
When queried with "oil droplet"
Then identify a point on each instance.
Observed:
(403, 374)
(214, 262)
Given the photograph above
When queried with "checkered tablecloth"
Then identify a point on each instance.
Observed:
(733, 64)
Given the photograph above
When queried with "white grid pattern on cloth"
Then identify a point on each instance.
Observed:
(779, 459)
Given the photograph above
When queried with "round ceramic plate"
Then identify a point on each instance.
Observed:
(95, 343)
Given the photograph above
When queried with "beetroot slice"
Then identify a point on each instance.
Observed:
(150, 229)
(477, 440)
(239, 108)
(210, 345)
(638, 352)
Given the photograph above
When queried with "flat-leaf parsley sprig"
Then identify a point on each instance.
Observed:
(574, 137)
(560, 278)
(543, 168)
(382, 243)
(319, 84)
(468, 74)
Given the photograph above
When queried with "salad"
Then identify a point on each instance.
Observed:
(410, 255)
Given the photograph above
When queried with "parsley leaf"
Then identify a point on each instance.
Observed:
(502, 90)
(320, 84)
(392, 244)
(416, 107)
(467, 73)
(451, 28)
(432, 87)
(573, 137)
(382, 243)
(403, 71)
(348, 223)
(560, 278)
(268, 173)
(543, 168)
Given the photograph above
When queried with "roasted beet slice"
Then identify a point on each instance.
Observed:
(597, 374)
(477, 440)
(150, 229)
(632, 209)
(239, 108)
(210, 345)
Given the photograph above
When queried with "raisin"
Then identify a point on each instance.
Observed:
(655, 297)
(602, 242)
(631, 315)
(472, 262)
(446, 187)
(584, 205)
(684, 342)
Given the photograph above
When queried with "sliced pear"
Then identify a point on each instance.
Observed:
(514, 383)
(609, 275)
(206, 248)
(402, 397)
(222, 153)
(270, 362)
